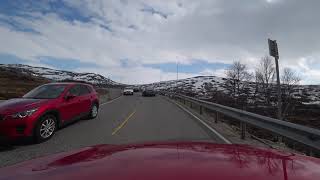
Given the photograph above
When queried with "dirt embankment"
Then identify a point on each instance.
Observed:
(15, 84)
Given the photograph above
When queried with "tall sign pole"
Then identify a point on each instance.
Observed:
(273, 51)
(177, 75)
(177, 70)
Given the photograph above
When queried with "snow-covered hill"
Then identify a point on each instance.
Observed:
(60, 75)
(203, 86)
(195, 84)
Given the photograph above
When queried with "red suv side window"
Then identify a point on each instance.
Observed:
(91, 89)
(84, 90)
(75, 90)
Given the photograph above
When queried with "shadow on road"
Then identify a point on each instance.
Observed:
(9, 145)
(6, 148)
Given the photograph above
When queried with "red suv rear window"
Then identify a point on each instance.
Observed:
(90, 88)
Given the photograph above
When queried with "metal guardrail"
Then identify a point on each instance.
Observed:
(302, 134)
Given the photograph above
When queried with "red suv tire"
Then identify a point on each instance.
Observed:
(94, 111)
(45, 128)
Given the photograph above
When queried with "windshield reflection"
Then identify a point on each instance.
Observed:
(240, 156)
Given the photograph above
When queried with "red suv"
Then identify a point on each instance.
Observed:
(40, 112)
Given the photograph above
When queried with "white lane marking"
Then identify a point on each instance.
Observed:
(110, 101)
(204, 123)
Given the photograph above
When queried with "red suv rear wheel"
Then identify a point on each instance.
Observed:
(94, 111)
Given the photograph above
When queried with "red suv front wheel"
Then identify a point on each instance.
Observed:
(45, 128)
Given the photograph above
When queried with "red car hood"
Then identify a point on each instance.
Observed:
(166, 161)
(20, 104)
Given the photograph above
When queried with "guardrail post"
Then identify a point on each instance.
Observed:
(184, 101)
(216, 119)
(201, 109)
(190, 104)
(243, 130)
(311, 153)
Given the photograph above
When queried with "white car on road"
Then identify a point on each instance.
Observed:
(128, 91)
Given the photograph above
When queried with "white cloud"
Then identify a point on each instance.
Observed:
(211, 30)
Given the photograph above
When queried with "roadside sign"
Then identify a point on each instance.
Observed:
(273, 48)
(273, 51)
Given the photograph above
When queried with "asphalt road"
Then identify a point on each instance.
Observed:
(128, 119)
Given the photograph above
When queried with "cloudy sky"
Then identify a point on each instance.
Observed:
(139, 41)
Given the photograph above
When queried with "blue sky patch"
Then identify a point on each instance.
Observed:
(20, 8)
(11, 10)
(195, 67)
(66, 64)
(10, 59)
(15, 25)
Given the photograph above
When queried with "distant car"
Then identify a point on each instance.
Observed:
(135, 89)
(39, 113)
(148, 92)
(128, 91)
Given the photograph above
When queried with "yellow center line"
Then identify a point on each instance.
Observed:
(123, 123)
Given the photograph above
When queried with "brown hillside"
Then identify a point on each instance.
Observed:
(15, 84)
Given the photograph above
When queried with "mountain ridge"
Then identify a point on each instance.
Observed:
(61, 75)
(204, 86)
